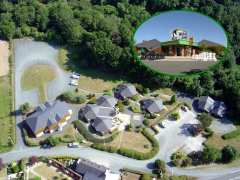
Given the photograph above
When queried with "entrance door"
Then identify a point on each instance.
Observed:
(178, 51)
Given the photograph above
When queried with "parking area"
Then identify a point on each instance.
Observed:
(175, 135)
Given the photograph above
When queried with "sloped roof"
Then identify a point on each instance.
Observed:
(92, 111)
(90, 170)
(205, 103)
(46, 115)
(152, 105)
(126, 90)
(219, 109)
(107, 101)
(150, 44)
(102, 124)
(208, 43)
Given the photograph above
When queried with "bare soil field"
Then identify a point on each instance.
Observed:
(179, 66)
(4, 53)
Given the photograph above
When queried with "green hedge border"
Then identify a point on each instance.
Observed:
(132, 153)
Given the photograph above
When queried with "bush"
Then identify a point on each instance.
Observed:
(93, 100)
(135, 97)
(180, 159)
(141, 89)
(126, 102)
(205, 119)
(29, 141)
(160, 166)
(187, 105)
(146, 122)
(211, 154)
(71, 98)
(67, 139)
(135, 108)
(175, 116)
(120, 106)
(25, 108)
(173, 99)
(232, 134)
(87, 135)
(208, 132)
(229, 153)
(52, 141)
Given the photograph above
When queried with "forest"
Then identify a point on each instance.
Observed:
(102, 33)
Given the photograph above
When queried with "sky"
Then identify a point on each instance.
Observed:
(197, 25)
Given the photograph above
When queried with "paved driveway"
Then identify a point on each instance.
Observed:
(26, 54)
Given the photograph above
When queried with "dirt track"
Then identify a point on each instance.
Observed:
(4, 53)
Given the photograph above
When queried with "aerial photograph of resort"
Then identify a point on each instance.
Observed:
(119, 90)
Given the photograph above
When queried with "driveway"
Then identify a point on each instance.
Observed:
(27, 53)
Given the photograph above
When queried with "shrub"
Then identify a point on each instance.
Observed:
(29, 141)
(180, 159)
(135, 109)
(210, 154)
(25, 108)
(67, 139)
(135, 97)
(52, 141)
(126, 102)
(146, 122)
(187, 105)
(175, 116)
(229, 153)
(93, 100)
(120, 106)
(173, 99)
(232, 134)
(141, 89)
(205, 120)
(208, 132)
(71, 98)
(160, 166)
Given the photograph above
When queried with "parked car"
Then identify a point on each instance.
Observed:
(74, 82)
(74, 145)
(75, 75)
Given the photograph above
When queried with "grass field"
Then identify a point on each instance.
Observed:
(7, 134)
(91, 80)
(36, 77)
(132, 140)
(217, 141)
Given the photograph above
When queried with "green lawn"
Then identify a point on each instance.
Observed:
(36, 77)
(7, 124)
(92, 80)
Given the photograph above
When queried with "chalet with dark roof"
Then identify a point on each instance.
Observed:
(125, 91)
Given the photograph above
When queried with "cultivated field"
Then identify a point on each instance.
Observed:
(178, 66)
(4, 53)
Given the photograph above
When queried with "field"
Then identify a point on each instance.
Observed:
(91, 80)
(179, 66)
(132, 140)
(36, 77)
(217, 141)
(7, 134)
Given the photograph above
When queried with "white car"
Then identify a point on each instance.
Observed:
(74, 145)
(74, 82)
(75, 75)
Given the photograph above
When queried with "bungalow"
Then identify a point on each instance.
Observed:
(106, 101)
(100, 117)
(92, 171)
(216, 108)
(152, 105)
(48, 117)
(125, 91)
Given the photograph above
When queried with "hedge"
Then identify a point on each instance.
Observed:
(232, 134)
(28, 141)
(72, 98)
(88, 136)
(132, 153)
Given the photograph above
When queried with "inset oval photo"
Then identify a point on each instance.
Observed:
(180, 41)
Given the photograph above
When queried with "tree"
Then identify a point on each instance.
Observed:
(211, 154)
(160, 166)
(173, 99)
(175, 115)
(229, 153)
(25, 108)
(205, 120)
(52, 141)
